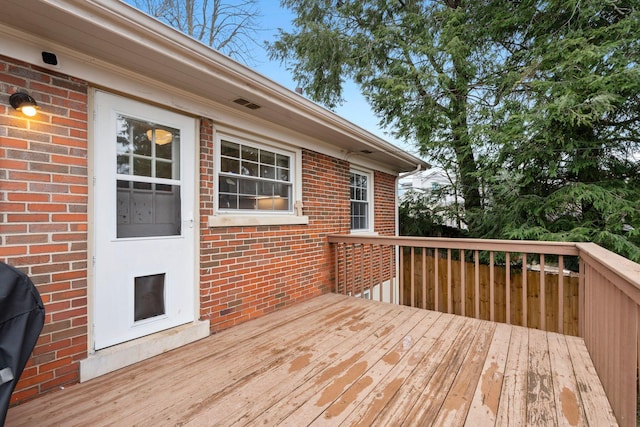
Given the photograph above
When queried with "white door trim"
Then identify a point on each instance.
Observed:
(187, 161)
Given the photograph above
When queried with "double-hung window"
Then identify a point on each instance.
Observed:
(360, 186)
(255, 179)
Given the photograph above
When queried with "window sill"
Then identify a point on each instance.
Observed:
(364, 232)
(255, 220)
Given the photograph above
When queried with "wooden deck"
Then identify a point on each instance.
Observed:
(336, 360)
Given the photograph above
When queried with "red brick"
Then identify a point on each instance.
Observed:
(6, 251)
(69, 217)
(67, 160)
(28, 197)
(47, 207)
(40, 249)
(13, 164)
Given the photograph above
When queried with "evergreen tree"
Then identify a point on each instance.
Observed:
(534, 105)
(421, 65)
(568, 126)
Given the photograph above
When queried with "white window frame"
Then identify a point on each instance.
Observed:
(370, 198)
(245, 217)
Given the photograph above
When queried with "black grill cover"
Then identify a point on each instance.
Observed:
(21, 321)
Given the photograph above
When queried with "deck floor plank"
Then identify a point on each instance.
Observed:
(486, 399)
(336, 360)
(598, 412)
(540, 399)
(456, 404)
(513, 397)
(565, 388)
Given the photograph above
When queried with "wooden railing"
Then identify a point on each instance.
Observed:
(495, 280)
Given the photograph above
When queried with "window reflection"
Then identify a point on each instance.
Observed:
(148, 154)
(253, 178)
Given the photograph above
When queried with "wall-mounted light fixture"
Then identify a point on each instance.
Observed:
(24, 102)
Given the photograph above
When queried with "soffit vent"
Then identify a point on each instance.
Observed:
(250, 105)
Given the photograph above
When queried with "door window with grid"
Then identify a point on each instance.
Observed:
(148, 179)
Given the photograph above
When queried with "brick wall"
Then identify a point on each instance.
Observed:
(43, 214)
(249, 271)
(244, 271)
(384, 203)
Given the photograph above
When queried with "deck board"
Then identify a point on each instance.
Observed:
(512, 407)
(336, 360)
(484, 406)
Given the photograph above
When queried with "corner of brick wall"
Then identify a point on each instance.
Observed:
(43, 214)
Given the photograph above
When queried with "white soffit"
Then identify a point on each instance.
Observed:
(114, 32)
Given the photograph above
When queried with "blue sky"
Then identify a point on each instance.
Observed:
(355, 109)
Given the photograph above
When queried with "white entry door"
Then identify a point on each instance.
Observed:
(144, 196)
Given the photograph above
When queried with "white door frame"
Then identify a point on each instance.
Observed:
(104, 223)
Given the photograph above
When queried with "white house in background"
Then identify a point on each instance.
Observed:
(428, 182)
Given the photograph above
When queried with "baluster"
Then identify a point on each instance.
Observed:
(508, 288)
(491, 288)
(463, 282)
(524, 290)
(392, 277)
(449, 293)
(381, 274)
(477, 284)
(436, 281)
(561, 294)
(370, 274)
(402, 278)
(424, 278)
(543, 311)
(362, 280)
(413, 277)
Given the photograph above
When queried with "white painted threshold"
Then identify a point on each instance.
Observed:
(118, 356)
